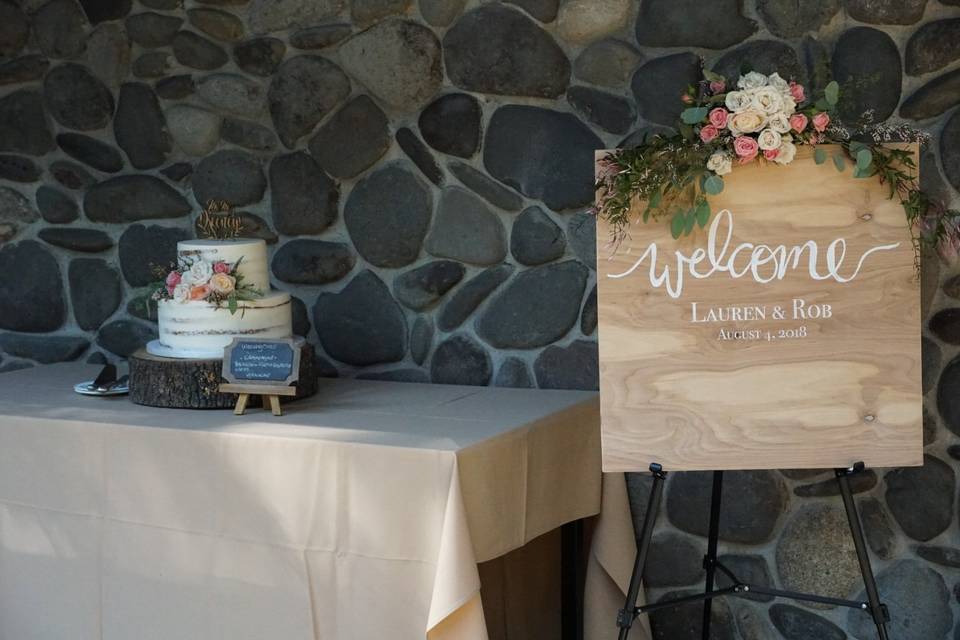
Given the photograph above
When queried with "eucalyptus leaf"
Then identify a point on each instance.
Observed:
(713, 185)
(677, 224)
(822, 105)
(232, 304)
(713, 76)
(690, 219)
(655, 199)
(839, 162)
(819, 155)
(703, 213)
(864, 159)
(832, 92)
(693, 115)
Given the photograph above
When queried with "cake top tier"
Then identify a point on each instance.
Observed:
(251, 253)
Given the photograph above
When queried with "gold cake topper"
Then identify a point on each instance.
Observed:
(218, 221)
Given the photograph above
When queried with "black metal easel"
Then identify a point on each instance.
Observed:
(630, 610)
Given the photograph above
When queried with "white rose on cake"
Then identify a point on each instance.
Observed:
(769, 140)
(199, 273)
(181, 292)
(720, 163)
(752, 80)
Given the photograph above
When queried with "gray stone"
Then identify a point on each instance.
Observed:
(71, 175)
(588, 316)
(610, 112)
(231, 175)
(933, 98)
(583, 21)
(90, 151)
(886, 11)
(949, 154)
(15, 366)
(659, 83)
(674, 561)
(485, 187)
(143, 250)
(495, 49)
(195, 131)
(232, 93)
(217, 24)
(83, 240)
(151, 29)
(573, 367)
(365, 12)
(387, 215)
(945, 324)
(133, 197)
(930, 427)
(43, 349)
(948, 396)
(542, 10)
(451, 124)
(276, 15)
(513, 373)
(300, 317)
(943, 556)
(749, 569)
(440, 13)
(140, 127)
(753, 502)
(815, 552)
(247, 134)
(23, 124)
(859, 483)
(361, 325)
(420, 288)
(752, 622)
(795, 623)
(608, 63)
(178, 171)
(421, 339)
(691, 23)
(921, 498)
(918, 600)
(260, 56)
(543, 154)
(582, 235)
(468, 297)
(952, 287)
(14, 30)
(877, 528)
(764, 56)
(303, 91)
(414, 149)
(871, 82)
(35, 304)
(789, 19)
(320, 37)
(154, 64)
(15, 212)
(103, 10)
(59, 28)
(24, 69)
(175, 87)
(466, 230)
(539, 306)
(816, 62)
(76, 98)
(95, 291)
(18, 169)
(304, 199)
(353, 139)
(684, 622)
(107, 54)
(933, 46)
(312, 261)
(55, 206)
(251, 226)
(460, 360)
(96, 357)
(192, 50)
(536, 238)
(398, 61)
(124, 337)
(397, 375)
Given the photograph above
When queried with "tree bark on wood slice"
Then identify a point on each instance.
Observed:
(194, 384)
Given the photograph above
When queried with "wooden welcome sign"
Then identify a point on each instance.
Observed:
(784, 334)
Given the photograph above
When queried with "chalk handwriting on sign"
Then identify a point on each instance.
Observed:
(764, 263)
(268, 362)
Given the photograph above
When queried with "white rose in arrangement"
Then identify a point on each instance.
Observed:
(749, 121)
(768, 100)
(769, 140)
(181, 292)
(774, 80)
(779, 122)
(738, 101)
(200, 272)
(752, 80)
(789, 104)
(720, 163)
(786, 152)
(222, 283)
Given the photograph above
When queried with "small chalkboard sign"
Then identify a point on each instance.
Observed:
(266, 366)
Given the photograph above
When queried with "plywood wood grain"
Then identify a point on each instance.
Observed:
(803, 371)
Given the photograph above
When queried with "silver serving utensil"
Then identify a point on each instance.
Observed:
(105, 379)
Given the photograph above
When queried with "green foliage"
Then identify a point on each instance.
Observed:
(713, 185)
(820, 155)
(831, 93)
(693, 115)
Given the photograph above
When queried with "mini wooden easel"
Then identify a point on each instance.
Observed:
(268, 393)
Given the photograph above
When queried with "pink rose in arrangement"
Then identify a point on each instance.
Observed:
(798, 122)
(199, 292)
(771, 154)
(686, 99)
(746, 148)
(820, 121)
(709, 133)
(717, 86)
(173, 279)
(221, 267)
(718, 117)
(796, 92)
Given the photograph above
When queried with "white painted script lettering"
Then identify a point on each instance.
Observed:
(760, 261)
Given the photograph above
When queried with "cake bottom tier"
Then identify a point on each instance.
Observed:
(200, 329)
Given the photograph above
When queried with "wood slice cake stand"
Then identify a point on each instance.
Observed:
(180, 383)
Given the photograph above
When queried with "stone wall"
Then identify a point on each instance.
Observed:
(421, 170)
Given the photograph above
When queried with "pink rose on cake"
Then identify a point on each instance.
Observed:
(222, 283)
(199, 292)
(221, 267)
(171, 281)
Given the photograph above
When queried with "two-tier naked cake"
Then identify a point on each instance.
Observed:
(219, 290)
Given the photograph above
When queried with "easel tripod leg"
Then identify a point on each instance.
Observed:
(877, 610)
(628, 613)
(710, 560)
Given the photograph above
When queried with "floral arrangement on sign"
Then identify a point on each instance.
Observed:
(763, 119)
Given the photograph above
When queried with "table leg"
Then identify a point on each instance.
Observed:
(571, 580)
